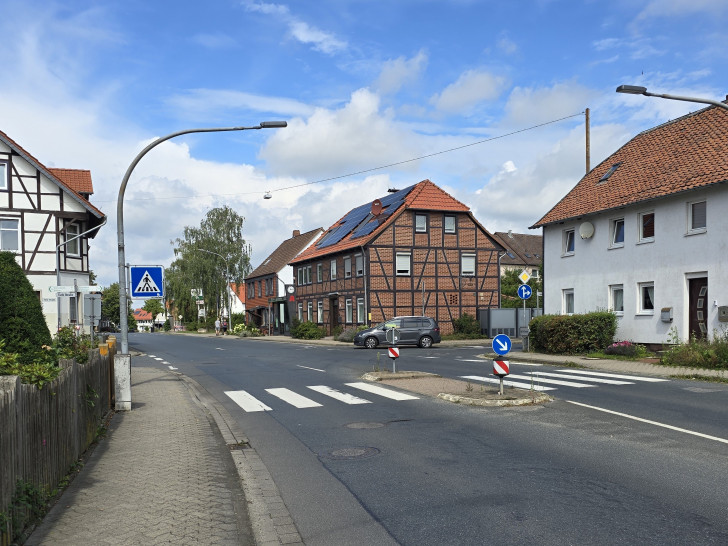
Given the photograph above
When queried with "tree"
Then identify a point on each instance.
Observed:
(509, 289)
(23, 326)
(154, 307)
(220, 232)
(110, 306)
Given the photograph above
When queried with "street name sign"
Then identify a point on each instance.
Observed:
(147, 281)
(69, 288)
(501, 344)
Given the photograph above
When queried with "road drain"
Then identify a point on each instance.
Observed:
(348, 453)
(365, 425)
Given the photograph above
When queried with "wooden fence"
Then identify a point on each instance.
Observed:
(43, 432)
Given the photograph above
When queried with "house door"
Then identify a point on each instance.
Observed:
(333, 313)
(698, 302)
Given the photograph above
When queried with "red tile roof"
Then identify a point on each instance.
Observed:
(78, 180)
(141, 314)
(424, 196)
(684, 154)
(286, 251)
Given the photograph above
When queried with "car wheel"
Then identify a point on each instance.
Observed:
(371, 343)
(425, 342)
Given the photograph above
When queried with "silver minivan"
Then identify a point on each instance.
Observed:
(420, 331)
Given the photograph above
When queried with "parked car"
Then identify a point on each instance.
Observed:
(421, 331)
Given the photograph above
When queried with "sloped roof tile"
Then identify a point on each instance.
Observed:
(79, 180)
(286, 251)
(526, 248)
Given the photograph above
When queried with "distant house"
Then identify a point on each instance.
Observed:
(237, 296)
(47, 220)
(265, 298)
(416, 251)
(522, 252)
(644, 234)
(143, 319)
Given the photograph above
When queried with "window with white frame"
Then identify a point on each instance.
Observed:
(403, 264)
(567, 242)
(320, 311)
(347, 267)
(420, 223)
(333, 269)
(309, 311)
(349, 311)
(567, 301)
(647, 227)
(449, 224)
(359, 265)
(9, 234)
(467, 265)
(617, 233)
(300, 276)
(360, 310)
(3, 175)
(73, 242)
(319, 272)
(309, 275)
(300, 312)
(697, 217)
(616, 299)
(646, 298)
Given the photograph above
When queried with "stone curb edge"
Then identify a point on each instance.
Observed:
(536, 398)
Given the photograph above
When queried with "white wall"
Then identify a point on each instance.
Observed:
(669, 262)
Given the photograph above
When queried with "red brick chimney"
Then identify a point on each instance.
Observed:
(296, 232)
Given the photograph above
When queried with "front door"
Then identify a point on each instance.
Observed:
(698, 302)
(333, 313)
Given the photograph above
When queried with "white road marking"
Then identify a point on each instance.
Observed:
(508, 383)
(247, 401)
(663, 425)
(219, 349)
(482, 361)
(536, 377)
(314, 369)
(338, 395)
(382, 391)
(630, 377)
(293, 398)
(151, 356)
(158, 358)
(534, 364)
(172, 368)
(585, 378)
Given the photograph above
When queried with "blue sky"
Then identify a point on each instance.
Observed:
(362, 84)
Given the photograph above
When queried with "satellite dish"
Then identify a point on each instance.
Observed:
(586, 230)
(376, 207)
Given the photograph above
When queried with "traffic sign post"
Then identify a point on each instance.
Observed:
(394, 355)
(501, 369)
(392, 336)
(147, 281)
(501, 345)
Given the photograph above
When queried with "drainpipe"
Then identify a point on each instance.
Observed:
(364, 275)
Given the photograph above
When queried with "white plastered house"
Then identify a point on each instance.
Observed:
(645, 234)
(42, 213)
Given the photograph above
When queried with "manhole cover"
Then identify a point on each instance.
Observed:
(346, 453)
(365, 425)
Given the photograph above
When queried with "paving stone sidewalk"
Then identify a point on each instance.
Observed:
(162, 475)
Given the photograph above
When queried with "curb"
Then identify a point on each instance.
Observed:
(536, 398)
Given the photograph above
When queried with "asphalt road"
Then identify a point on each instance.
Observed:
(424, 471)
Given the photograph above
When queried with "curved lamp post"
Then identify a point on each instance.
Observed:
(638, 90)
(227, 286)
(124, 321)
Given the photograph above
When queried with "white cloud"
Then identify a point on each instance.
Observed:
(530, 106)
(507, 46)
(671, 8)
(400, 71)
(470, 89)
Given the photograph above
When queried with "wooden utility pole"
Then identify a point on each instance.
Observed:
(588, 150)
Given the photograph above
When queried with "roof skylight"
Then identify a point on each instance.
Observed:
(610, 172)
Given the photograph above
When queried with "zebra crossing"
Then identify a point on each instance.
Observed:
(549, 381)
(248, 403)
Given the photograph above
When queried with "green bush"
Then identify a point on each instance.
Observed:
(466, 324)
(347, 335)
(572, 334)
(167, 326)
(699, 353)
(626, 348)
(306, 330)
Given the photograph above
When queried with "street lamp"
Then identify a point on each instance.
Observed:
(227, 287)
(639, 90)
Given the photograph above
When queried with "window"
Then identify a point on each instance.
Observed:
(73, 243)
(251, 290)
(420, 223)
(333, 269)
(309, 311)
(359, 265)
(567, 301)
(319, 272)
(309, 276)
(616, 299)
(647, 227)
(610, 172)
(300, 276)
(320, 311)
(347, 267)
(467, 265)
(360, 310)
(73, 309)
(300, 312)
(404, 264)
(9, 234)
(3, 176)
(617, 233)
(697, 217)
(646, 297)
(449, 224)
(568, 242)
(349, 318)
(260, 288)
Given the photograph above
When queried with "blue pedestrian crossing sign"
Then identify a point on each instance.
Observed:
(524, 291)
(501, 344)
(147, 281)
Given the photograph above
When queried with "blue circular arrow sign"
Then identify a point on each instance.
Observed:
(524, 291)
(501, 344)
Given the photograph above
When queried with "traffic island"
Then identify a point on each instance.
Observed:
(457, 391)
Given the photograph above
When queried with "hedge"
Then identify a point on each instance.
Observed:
(572, 334)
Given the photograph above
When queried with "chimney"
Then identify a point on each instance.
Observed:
(296, 232)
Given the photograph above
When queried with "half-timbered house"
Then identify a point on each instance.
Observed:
(47, 220)
(417, 251)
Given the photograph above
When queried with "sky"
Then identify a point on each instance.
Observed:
(484, 98)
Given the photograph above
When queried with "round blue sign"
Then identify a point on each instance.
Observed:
(501, 344)
(524, 291)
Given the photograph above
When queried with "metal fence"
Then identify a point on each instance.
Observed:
(43, 432)
(506, 321)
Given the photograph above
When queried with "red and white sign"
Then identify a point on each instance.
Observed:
(394, 352)
(500, 367)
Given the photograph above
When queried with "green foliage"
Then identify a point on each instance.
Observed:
(698, 353)
(348, 334)
(572, 334)
(306, 330)
(167, 326)
(626, 348)
(509, 289)
(22, 324)
(72, 345)
(336, 332)
(153, 306)
(245, 330)
(28, 504)
(110, 307)
(466, 324)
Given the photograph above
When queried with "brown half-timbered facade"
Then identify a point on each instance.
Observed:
(45, 219)
(417, 251)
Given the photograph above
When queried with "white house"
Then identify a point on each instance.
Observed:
(47, 220)
(644, 234)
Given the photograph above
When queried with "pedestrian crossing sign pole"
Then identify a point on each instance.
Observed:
(146, 281)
